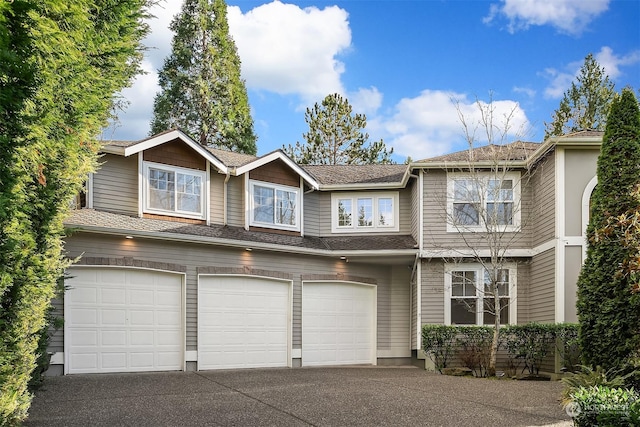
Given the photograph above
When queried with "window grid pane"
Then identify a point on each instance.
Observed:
(161, 189)
(345, 213)
(385, 212)
(263, 204)
(365, 212)
(285, 207)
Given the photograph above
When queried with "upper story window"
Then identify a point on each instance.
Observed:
(364, 212)
(483, 202)
(469, 295)
(170, 190)
(274, 206)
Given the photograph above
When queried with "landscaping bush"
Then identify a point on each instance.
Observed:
(604, 406)
(474, 348)
(566, 335)
(589, 377)
(528, 343)
(438, 341)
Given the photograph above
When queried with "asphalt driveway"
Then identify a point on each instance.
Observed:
(365, 396)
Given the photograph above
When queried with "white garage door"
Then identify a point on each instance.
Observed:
(243, 322)
(123, 320)
(338, 324)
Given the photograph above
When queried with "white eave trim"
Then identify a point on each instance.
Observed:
(163, 138)
(241, 244)
(276, 155)
(486, 253)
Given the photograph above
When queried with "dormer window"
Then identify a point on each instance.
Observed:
(274, 206)
(174, 191)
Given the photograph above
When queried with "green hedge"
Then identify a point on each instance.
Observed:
(527, 344)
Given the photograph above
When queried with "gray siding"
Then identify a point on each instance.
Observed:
(415, 208)
(543, 210)
(115, 185)
(414, 315)
(393, 316)
(235, 202)
(432, 292)
(192, 256)
(573, 264)
(580, 168)
(312, 215)
(541, 304)
(216, 197)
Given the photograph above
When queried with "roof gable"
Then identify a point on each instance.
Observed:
(128, 149)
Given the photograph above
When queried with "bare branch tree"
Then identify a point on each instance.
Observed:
(483, 205)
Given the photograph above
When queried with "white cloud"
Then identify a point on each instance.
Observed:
(560, 81)
(567, 16)
(289, 50)
(612, 62)
(366, 100)
(429, 124)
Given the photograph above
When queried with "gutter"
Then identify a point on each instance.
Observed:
(239, 244)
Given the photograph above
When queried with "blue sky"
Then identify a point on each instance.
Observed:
(403, 62)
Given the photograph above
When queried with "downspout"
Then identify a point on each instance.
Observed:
(224, 196)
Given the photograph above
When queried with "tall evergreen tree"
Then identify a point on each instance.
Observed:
(585, 105)
(201, 89)
(608, 308)
(336, 137)
(60, 65)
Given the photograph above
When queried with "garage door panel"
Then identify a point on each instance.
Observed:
(123, 330)
(338, 323)
(243, 322)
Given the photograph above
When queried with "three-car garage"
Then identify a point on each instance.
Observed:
(124, 319)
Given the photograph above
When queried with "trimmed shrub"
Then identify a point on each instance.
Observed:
(474, 348)
(438, 341)
(528, 343)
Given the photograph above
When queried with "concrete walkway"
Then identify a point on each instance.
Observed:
(355, 396)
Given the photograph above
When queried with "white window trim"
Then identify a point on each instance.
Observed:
(375, 228)
(298, 210)
(182, 214)
(515, 177)
(479, 269)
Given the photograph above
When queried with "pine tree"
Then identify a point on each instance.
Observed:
(201, 89)
(336, 137)
(585, 104)
(608, 307)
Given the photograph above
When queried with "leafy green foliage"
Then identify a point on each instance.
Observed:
(590, 377)
(608, 306)
(62, 63)
(336, 137)
(585, 105)
(438, 341)
(201, 89)
(530, 343)
(566, 337)
(605, 406)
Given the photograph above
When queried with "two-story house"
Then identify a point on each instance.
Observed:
(196, 258)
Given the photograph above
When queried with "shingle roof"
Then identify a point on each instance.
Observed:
(584, 133)
(106, 220)
(518, 150)
(356, 174)
(230, 158)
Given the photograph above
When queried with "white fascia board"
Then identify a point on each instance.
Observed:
(486, 253)
(163, 138)
(275, 155)
(241, 244)
(112, 149)
(465, 165)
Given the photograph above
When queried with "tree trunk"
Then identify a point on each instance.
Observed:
(496, 334)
